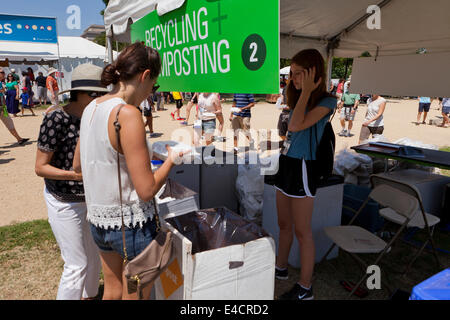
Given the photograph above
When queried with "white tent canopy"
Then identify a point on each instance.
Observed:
(406, 25)
(69, 47)
(120, 14)
(341, 29)
(73, 51)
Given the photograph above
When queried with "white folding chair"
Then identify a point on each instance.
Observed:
(420, 219)
(356, 240)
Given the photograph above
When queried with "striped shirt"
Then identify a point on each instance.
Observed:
(242, 100)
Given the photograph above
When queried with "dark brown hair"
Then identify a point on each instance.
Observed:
(133, 60)
(308, 59)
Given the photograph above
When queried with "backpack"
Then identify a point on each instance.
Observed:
(325, 152)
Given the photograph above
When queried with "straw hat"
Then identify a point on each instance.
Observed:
(87, 77)
(51, 70)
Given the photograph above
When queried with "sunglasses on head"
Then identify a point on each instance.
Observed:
(95, 94)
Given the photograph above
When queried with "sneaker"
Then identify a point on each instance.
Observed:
(342, 133)
(173, 115)
(281, 274)
(185, 123)
(22, 142)
(298, 293)
(348, 135)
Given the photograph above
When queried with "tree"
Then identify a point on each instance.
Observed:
(101, 39)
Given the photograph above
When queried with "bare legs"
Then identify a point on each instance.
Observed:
(115, 282)
(294, 216)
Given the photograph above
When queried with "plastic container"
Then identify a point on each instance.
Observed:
(369, 218)
(435, 288)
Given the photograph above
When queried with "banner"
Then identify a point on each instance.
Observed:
(27, 29)
(216, 46)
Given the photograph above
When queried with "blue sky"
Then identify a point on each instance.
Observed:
(89, 12)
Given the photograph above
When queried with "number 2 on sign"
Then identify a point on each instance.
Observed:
(254, 47)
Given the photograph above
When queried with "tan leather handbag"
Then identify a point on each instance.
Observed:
(144, 269)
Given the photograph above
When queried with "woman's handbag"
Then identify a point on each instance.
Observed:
(144, 269)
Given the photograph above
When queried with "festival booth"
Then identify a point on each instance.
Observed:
(73, 51)
(392, 32)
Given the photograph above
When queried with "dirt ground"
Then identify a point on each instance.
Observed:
(21, 190)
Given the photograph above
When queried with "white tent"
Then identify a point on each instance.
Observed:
(285, 71)
(73, 51)
(406, 25)
(336, 28)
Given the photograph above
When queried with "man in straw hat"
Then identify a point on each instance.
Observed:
(64, 191)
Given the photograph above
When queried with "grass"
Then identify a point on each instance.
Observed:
(31, 266)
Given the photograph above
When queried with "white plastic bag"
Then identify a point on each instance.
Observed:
(250, 190)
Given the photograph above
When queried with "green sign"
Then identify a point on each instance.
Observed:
(226, 46)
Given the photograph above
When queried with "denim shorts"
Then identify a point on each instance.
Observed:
(209, 126)
(137, 239)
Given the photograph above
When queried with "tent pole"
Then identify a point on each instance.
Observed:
(59, 59)
(329, 66)
(109, 43)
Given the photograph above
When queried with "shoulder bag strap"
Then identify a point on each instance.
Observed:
(117, 128)
(158, 224)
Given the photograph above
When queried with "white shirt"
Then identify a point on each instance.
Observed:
(373, 107)
(206, 107)
(99, 167)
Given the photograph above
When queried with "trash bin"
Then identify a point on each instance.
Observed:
(354, 197)
(219, 256)
(435, 288)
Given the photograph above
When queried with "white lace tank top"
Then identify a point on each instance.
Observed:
(99, 167)
(206, 107)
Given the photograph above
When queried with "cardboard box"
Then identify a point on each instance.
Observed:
(221, 270)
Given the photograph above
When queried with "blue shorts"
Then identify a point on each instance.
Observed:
(137, 239)
(209, 126)
(424, 107)
(446, 110)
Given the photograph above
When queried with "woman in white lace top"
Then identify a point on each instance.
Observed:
(133, 76)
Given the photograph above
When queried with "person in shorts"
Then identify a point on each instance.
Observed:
(374, 120)
(26, 101)
(297, 179)
(41, 88)
(147, 105)
(424, 107)
(209, 106)
(347, 107)
(178, 103)
(241, 120)
(445, 113)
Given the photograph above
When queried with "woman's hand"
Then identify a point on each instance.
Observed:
(176, 158)
(366, 124)
(308, 83)
(77, 176)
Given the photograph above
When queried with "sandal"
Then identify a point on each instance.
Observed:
(22, 142)
(348, 285)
